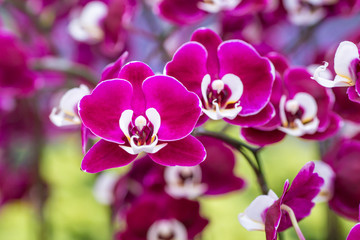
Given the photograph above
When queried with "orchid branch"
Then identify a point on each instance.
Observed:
(67, 67)
(243, 148)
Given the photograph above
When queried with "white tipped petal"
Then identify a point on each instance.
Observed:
(309, 105)
(124, 122)
(327, 173)
(345, 54)
(204, 86)
(235, 85)
(154, 118)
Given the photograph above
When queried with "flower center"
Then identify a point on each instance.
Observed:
(299, 115)
(221, 97)
(169, 229)
(184, 181)
(142, 132)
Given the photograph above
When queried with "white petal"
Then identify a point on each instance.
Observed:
(204, 86)
(104, 186)
(218, 113)
(189, 191)
(124, 122)
(345, 54)
(61, 119)
(301, 129)
(235, 85)
(154, 118)
(325, 82)
(93, 12)
(309, 105)
(151, 148)
(327, 173)
(72, 97)
(327, 74)
(283, 118)
(252, 218)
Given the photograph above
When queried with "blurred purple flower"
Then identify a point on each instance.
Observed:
(156, 217)
(343, 158)
(303, 108)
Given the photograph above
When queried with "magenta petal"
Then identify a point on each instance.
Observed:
(255, 72)
(179, 109)
(353, 95)
(333, 127)
(101, 110)
(279, 61)
(211, 41)
(273, 216)
(185, 152)
(181, 11)
(299, 80)
(261, 118)
(305, 187)
(136, 73)
(217, 169)
(189, 66)
(347, 109)
(112, 70)
(104, 155)
(354, 233)
(261, 138)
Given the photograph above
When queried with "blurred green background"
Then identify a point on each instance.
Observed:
(71, 211)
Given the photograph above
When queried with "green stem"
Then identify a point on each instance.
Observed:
(243, 148)
(67, 67)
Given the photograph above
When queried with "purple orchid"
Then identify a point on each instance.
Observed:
(346, 66)
(16, 79)
(156, 217)
(141, 112)
(303, 108)
(192, 11)
(232, 80)
(272, 214)
(344, 161)
(102, 22)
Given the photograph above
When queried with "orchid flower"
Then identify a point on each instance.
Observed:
(139, 112)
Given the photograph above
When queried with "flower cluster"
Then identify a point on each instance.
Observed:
(183, 96)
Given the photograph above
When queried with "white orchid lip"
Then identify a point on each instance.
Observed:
(184, 182)
(345, 55)
(298, 115)
(141, 133)
(222, 96)
(65, 114)
(252, 219)
(85, 26)
(167, 229)
(214, 6)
